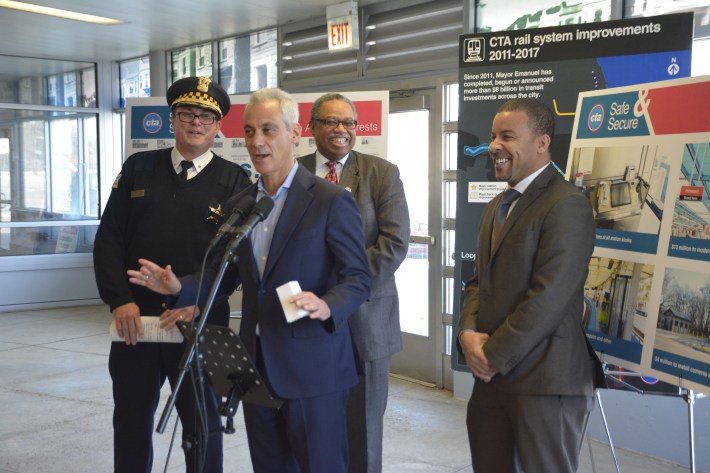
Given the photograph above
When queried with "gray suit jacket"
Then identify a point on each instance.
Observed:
(379, 194)
(528, 290)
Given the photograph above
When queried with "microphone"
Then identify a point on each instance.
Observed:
(261, 210)
(241, 209)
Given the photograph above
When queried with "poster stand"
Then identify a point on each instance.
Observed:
(597, 393)
(688, 395)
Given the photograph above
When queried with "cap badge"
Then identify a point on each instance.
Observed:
(203, 84)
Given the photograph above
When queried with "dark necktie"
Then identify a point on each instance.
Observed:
(185, 166)
(332, 175)
(509, 197)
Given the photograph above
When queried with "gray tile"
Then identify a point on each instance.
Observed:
(41, 433)
(94, 344)
(396, 466)
(47, 330)
(10, 346)
(418, 422)
(27, 364)
(90, 385)
(8, 319)
(56, 409)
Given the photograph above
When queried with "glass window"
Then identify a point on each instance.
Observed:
(451, 107)
(523, 14)
(248, 63)
(448, 199)
(700, 9)
(191, 61)
(134, 76)
(49, 198)
(48, 173)
(30, 81)
(5, 182)
(53, 160)
(701, 57)
(88, 88)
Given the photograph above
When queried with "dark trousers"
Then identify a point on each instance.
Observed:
(138, 373)
(306, 435)
(366, 411)
(511, 433)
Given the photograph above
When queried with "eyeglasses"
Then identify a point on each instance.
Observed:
(333, 123)
(189, 117)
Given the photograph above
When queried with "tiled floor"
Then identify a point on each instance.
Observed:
(55, 409)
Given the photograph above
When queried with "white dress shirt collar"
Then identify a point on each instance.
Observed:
(199, 162)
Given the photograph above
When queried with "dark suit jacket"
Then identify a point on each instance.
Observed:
(528, 291)
(379, 194)
(317, 242)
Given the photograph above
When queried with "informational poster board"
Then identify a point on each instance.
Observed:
(641, 154)
(148, 126)
(553, 65)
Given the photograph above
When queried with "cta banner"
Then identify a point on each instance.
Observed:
(148, 123)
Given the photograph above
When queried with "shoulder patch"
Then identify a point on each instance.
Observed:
(115, 183)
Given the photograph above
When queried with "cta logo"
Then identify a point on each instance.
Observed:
(152, 123)
(474, 50)
(595, 118)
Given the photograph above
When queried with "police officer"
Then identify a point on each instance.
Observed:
(165, 205)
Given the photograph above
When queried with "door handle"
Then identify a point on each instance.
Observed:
(422, 239)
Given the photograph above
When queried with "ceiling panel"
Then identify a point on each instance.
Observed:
(150, 25)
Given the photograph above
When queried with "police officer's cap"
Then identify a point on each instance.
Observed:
(199, 92)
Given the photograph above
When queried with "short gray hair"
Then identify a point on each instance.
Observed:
(287, 104)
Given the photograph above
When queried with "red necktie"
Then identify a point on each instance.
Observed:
(332, 175)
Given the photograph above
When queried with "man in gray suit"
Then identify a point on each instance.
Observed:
(378, 191)
(521, 323)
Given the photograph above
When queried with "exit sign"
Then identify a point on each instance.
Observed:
(342, 27)
(340, 34)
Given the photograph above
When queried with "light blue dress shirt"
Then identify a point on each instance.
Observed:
(263, 232)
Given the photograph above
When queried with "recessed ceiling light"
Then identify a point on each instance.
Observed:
(70, 15)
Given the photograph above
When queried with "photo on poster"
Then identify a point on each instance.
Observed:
(616, 303)
(690, 232)
(681, 346)
(626, 187)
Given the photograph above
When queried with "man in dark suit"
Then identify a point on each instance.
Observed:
(312, 236)
(379, 194)
(521, 324)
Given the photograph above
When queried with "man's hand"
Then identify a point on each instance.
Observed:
(472, 345)
(128, 322)
(169, 318)
(157, 279)
(316, 306)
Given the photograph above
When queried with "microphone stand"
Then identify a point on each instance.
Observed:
(193, 348)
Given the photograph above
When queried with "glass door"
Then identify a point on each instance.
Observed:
(411, 146)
